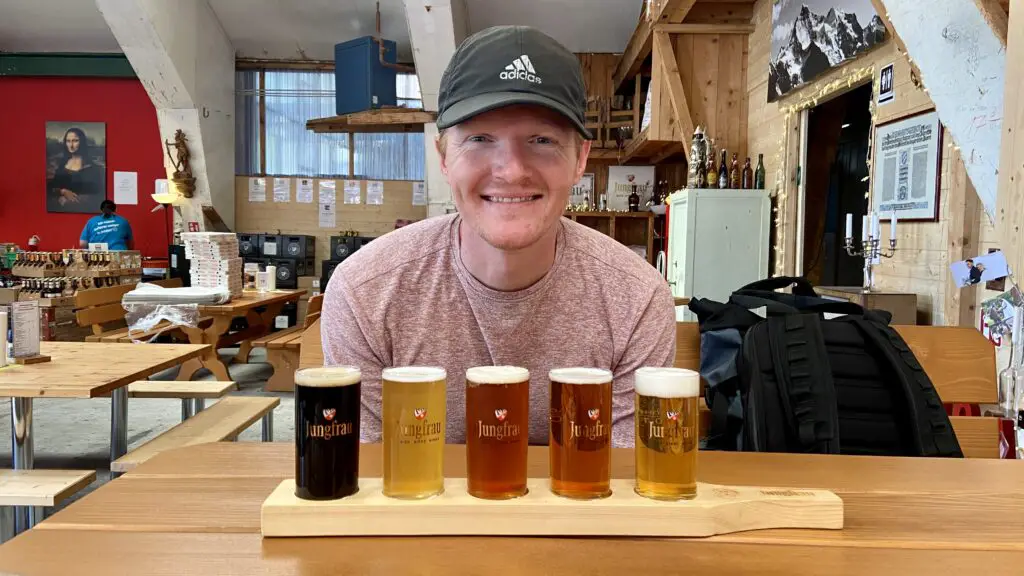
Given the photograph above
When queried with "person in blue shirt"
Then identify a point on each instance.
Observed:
(109, 228)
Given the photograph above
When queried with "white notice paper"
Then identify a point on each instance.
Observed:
(352, 192)
(304, 191)
(327, 195)
(328, 216)
(25, 321)
(375, 192)
(257, 189)
(282, 189)
(126, 188)
(419, 194)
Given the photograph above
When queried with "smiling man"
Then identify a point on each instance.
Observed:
(507, 280)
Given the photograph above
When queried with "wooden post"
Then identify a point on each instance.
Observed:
(962, 242)
(1010, 191)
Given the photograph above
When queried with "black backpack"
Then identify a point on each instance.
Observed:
(808, 374)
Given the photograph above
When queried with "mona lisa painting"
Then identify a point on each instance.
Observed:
(76, 166)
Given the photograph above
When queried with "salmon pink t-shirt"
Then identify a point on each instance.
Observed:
(406, 299)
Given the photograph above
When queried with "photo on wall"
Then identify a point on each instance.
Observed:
(76, 166)
(810, 37)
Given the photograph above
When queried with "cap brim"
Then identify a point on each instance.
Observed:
(475, 105)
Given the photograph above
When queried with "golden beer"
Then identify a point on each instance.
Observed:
(415, 401)
(580, 437)
(497, 431)
(666, 432)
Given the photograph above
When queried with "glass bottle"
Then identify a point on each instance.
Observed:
(734, 173)
(723, 173)
(712, 170)
(759, 173)
(634, 200)
(748, 175)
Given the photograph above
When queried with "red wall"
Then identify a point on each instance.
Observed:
(133, 145)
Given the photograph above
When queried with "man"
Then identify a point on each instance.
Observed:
(977, 271)
(506, 280)
(108, 228)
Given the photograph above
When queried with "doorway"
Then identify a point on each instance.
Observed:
(836, 166)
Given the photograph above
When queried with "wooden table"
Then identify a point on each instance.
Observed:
(197, 511)
(216, 333)
(83, 370)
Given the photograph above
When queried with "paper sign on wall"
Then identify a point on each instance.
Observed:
(328, 215)
(25, 321)
(282, 189)
(126, 188)
(886, 85)
(352, 192)
(327, 194)
(304, 191)
(623, 180)
(257, 189)
(419, 194)
(375, 192)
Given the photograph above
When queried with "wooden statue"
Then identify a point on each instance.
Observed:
(180, 159)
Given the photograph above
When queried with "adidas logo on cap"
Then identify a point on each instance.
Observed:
(520, 69)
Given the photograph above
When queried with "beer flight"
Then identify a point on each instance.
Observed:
(497, 421)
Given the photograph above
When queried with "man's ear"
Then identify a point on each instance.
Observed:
(581, 165)
(440, 147)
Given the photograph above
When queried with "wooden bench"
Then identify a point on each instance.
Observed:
(283, 348)
(100, 309)
(193, 393)
(225, 420)
(41, 487)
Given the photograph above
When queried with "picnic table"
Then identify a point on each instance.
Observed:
(216, 333)
(83, 370)
(196, 510)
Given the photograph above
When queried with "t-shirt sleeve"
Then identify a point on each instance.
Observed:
(346, 343)
(653, 343)
(85, 231)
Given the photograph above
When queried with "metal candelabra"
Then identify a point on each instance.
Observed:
(871, 251)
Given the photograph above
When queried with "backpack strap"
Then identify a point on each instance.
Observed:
(808, 393)
(931, 431)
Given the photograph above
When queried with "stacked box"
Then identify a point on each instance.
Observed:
(213, 260)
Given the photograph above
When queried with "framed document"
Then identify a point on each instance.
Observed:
(905, 164)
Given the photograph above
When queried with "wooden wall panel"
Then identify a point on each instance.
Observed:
(295, 218)
(717, 12)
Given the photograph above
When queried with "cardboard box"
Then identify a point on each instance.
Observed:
(9, 295)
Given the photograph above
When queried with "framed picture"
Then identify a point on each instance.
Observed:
(906, 164)
(76, 166)
(583, 191)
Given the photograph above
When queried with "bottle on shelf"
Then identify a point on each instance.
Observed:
(747, 179)
(634, 200)
(701, 181)
(712, 168)
(734, 172)
(723, 173)
(759, 173)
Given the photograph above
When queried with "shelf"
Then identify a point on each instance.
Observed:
(383, 120)
(611, 214)
(651, 151)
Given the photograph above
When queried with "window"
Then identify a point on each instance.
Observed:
(291, 97)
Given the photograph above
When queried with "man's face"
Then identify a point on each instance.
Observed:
(511, 171)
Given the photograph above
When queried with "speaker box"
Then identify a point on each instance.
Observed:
(250, 245)
(326, 269)
(342, 247)
(299, 247)
(179, 264)
(272, 246)
(287, 273)
(360, 241)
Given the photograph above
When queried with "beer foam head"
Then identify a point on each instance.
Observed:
(414, 374)
(580, 375)
(497, 374)
(328, 376)
(666, 382)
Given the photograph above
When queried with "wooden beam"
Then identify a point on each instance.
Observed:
(664, 52)
(708, 28)
(1010, 195)
(263, 64)
(382, 120)
(996, 17)
(669, 150)
(962, 241)
(640, 43)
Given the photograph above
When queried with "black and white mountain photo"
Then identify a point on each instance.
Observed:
(811, 36)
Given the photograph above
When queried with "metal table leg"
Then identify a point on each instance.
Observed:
(118, 423)
(186, 409)
(268, 427)
(24, 455)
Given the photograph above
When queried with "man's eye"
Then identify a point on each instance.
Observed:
(543, 140)
(477, 138)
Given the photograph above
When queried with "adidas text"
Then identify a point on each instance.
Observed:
(519, 75)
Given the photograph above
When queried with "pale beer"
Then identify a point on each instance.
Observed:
(666, 432)
(327, 432)
(415, 400)
(580, 438)
(497, 431)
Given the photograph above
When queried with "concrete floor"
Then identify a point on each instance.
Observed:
(75, 434)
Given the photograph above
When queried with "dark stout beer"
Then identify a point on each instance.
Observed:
(327, 432)
(497, 431)
(581, 421)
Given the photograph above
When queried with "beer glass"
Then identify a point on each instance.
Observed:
(415, 402)
(497, 431)
(581, 419)
(327, 432)
(666, 432)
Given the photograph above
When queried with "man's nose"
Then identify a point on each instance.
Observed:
(511, 164)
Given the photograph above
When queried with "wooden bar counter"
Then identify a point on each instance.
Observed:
(197, 511)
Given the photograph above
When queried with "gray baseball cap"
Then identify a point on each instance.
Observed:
(508, 65)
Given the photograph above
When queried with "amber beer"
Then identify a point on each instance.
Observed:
(415, 402)
(581, 421)
(666, 432)
(497, 431)
(327, 432)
